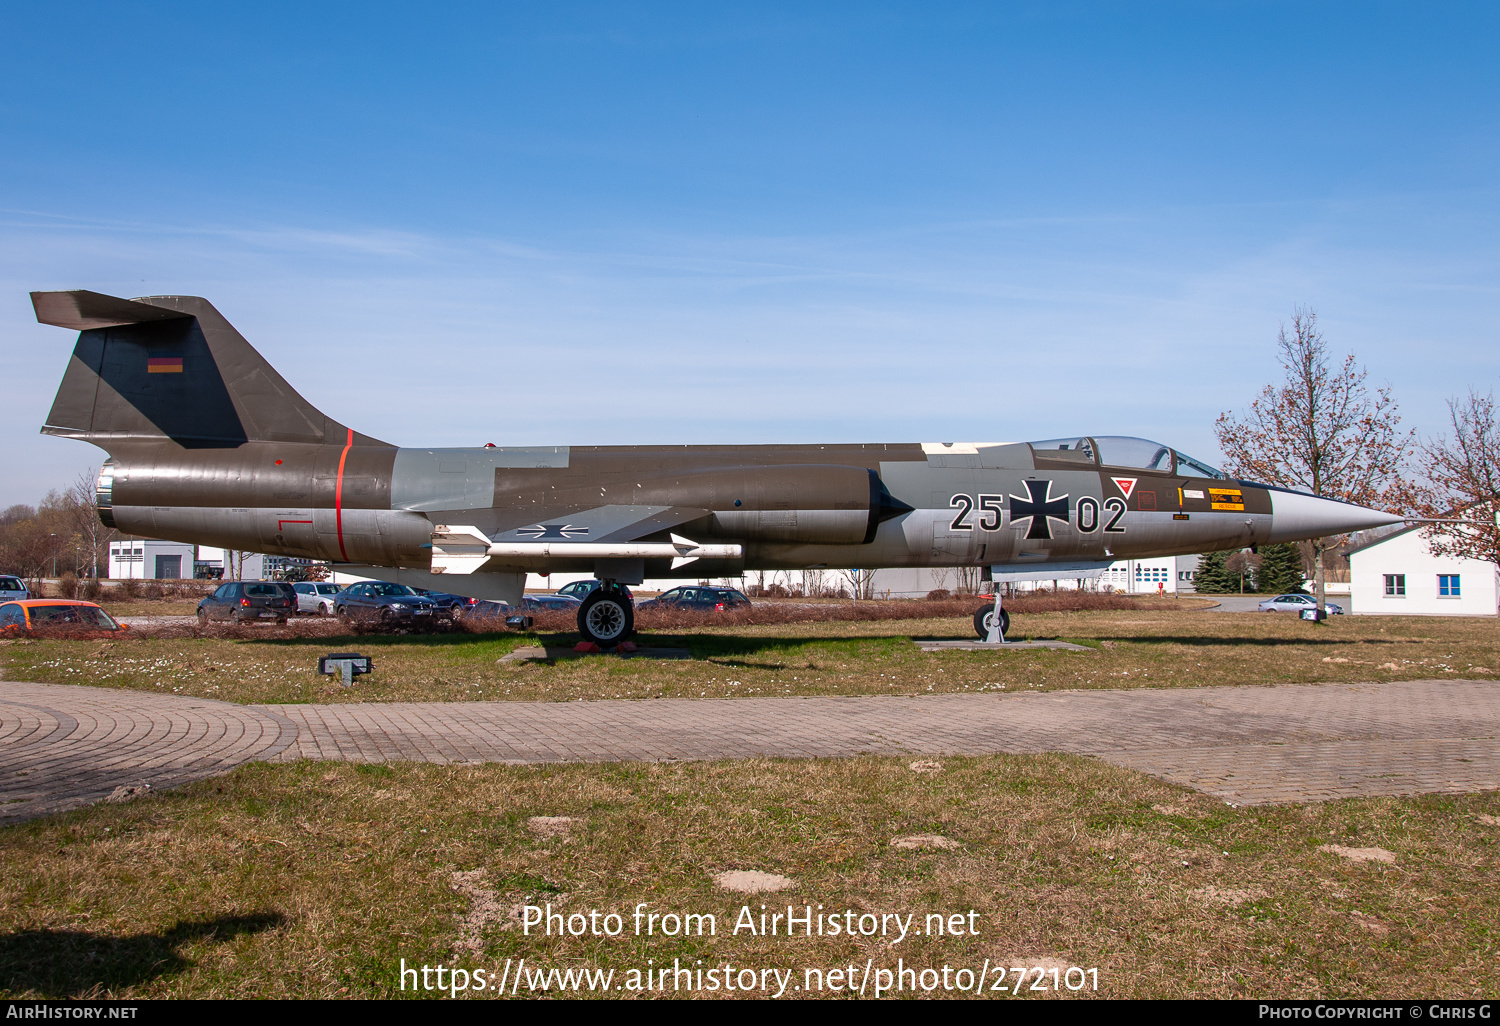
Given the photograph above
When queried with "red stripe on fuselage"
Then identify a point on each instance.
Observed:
(338, 496)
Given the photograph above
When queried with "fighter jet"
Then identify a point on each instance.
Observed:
(208, 444)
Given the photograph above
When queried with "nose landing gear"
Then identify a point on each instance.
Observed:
(992, 622)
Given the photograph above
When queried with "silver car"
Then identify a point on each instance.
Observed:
(315, 599)
(13, 589)
(1295, 604)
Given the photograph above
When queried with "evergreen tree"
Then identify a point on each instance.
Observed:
(1213, 577)
(1280, 569)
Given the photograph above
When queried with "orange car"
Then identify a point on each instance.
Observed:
(69, 616)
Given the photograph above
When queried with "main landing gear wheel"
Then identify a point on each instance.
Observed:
(606, 618)
(986, 616)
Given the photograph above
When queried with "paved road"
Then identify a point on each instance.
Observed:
(63, 746)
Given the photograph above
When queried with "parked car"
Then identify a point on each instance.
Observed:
(1295, 604)
(241, 601)
(66, 615)
(498, 613)
(699, 597)
(315, 599)
(458, 605)
(393, 605)
(12, 589)
(552, 603)
(581, 590)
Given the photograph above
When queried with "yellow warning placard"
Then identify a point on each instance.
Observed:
(1227, 499)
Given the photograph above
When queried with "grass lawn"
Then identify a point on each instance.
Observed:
(1130, 648)
(315, 880)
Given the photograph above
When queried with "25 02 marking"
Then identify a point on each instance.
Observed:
(992, 506)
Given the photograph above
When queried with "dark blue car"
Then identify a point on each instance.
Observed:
(390, 605)
(699, 597)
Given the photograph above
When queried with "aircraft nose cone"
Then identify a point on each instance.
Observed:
(1295, 516)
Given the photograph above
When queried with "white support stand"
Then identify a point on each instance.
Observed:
(996, 635)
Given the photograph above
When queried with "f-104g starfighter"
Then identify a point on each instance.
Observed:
(208, 444)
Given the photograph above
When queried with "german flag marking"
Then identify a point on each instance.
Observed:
(163, 365)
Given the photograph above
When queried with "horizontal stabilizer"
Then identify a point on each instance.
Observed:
(82, 310)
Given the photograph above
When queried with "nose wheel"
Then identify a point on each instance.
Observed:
(984, 622)
(606, 617)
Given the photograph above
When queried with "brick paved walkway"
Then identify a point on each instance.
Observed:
(62, 746)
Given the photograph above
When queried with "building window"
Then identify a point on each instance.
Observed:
(1448, 585)
(1395, 585)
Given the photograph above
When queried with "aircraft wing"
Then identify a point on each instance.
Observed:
(598, 524)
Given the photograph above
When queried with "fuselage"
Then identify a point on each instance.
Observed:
(790, 506)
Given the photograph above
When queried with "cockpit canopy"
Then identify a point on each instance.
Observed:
(1125, 452)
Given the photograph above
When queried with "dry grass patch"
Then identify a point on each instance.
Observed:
(749, 881)
(305, 880)
(1131, 649)
(1359, 854)
(551, 826)
(914, 841)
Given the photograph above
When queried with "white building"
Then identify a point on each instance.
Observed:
(1130, 576)
(154, 559)
(1399, 575)
(149, 558)
(247, 566)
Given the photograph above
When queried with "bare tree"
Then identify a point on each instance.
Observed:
(812, 582)
(1322, 430)
(1464, 472)
(1244, 564)
(83, 517)
(861, 582)
(966, 580)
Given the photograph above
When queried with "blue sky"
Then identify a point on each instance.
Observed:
(670, 223)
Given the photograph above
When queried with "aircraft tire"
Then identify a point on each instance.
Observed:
(983, 617)
(606, 618)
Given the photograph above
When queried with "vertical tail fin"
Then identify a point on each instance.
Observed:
(171, 367)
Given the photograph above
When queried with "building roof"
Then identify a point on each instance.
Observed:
(1352, 549)
(1406, 530)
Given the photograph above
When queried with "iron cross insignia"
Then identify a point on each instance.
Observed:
(1041, 508)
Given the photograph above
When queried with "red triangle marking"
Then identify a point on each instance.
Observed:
(1125, 484)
